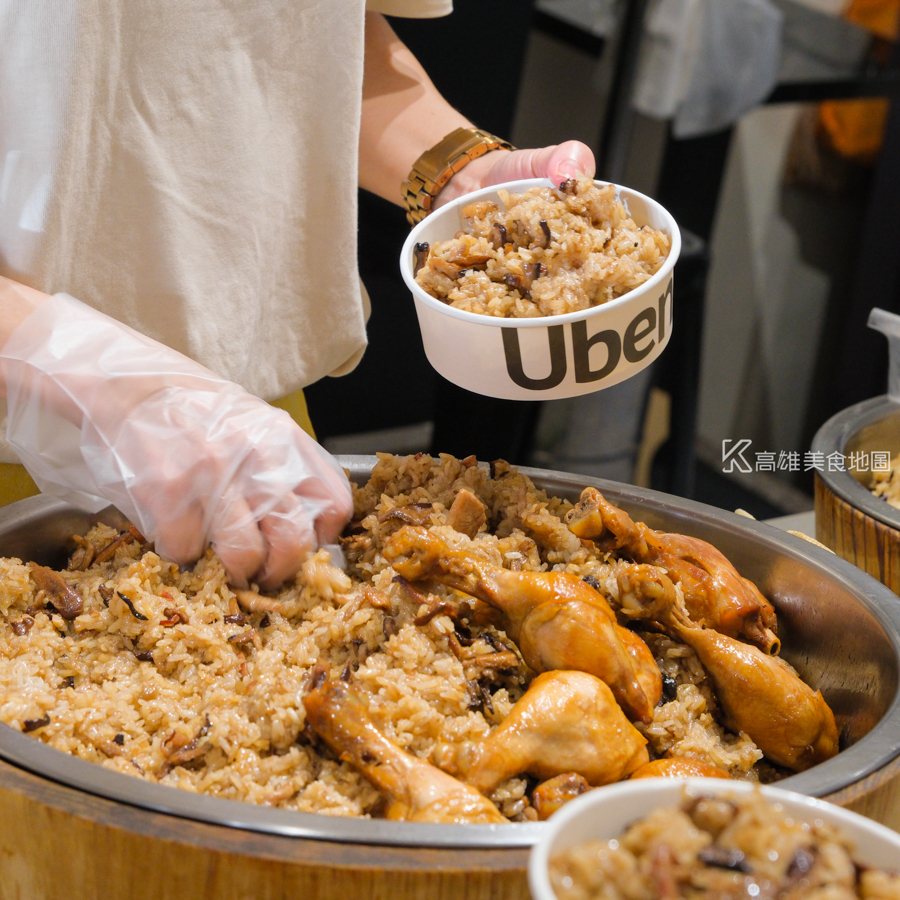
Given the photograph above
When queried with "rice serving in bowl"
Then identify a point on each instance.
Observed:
(718, 842)
(541, 301)
(175, 677)
(543, 252)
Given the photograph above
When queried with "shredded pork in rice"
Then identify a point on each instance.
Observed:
(175, 677)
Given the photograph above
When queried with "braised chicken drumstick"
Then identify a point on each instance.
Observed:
(557, 621)
(759, 694)
(416, 791)
(762, 695)
(715, 594)
(565, 722)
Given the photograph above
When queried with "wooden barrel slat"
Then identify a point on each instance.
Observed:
(57, 843)
(867, 543)
(877, 796)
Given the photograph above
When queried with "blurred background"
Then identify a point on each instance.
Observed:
(770, 130)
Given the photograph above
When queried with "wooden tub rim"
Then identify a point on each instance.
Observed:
(149, 824)
(152, 825)
(835, 435)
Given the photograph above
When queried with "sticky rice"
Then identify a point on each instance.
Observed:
(544, 252)
(176, 677)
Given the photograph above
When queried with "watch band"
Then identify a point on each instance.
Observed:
(435, 167)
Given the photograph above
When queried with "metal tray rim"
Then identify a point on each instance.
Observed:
(872, 752)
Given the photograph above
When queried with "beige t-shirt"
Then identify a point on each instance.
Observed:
(194, 174)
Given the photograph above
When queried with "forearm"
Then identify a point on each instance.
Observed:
(90, 337)
(403, 115)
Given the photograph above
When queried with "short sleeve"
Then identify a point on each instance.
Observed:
(411, 9)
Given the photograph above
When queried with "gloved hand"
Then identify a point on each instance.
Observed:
(100, 414)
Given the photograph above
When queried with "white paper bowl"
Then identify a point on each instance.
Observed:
(553, 356)
(606, 812)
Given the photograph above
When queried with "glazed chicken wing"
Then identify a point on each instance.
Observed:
(645, 592)
(557, 620)
(715, 594)
(570, 633)
(565, 722)
(416, 791)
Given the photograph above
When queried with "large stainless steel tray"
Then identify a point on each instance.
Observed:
(839, 627)
(871, 425)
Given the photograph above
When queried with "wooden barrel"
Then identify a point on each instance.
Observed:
(876, 796)
(859, 527)
(57, 843)
(61, 844)
(865, 531)
(858, 537)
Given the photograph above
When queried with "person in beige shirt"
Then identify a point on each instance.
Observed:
(188, 172)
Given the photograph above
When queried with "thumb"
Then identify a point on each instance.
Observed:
(557, 162)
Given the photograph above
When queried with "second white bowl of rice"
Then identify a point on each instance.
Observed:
(499, 353)
(604, 814)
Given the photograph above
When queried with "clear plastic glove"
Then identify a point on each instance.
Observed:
(100, 415)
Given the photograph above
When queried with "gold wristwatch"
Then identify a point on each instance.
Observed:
(435, 167)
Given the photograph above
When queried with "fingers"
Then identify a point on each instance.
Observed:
(327, 492)
(557, 162)
(181, 540)
(518, 165)
(315, 514)
(268, 549)
(290, 538)
(569, 160)
(176, 528)
(334, 504)
(259, 490)
(237, 540)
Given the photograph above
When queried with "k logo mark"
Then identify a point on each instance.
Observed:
(735, 456)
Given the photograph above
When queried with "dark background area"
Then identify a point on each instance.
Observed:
(394, 385)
